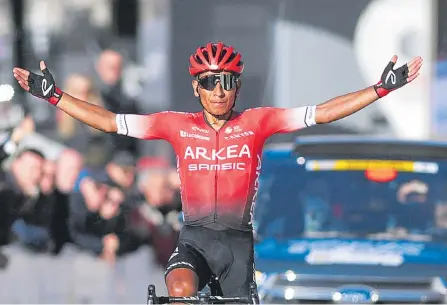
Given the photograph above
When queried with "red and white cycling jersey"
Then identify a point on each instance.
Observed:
(218, 170)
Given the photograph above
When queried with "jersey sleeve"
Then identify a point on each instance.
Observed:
(156, 126)
(283, 120)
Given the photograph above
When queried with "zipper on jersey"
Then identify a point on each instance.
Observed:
(217, 160)
(215, 177)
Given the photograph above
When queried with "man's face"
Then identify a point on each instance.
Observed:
(157, 189)
(30, 168)
(110, 67)
(220, 99)
(83, 88)
(47, 181)
(68, 167)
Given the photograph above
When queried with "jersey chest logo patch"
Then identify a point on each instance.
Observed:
(232, 157)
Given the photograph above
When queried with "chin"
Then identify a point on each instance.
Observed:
(219, 110)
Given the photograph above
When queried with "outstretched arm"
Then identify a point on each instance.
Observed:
(90, 114)
(345, 105)
(45, 87)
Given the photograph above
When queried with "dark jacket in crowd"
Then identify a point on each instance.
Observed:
(28, 217)
(88, 228)
(60, 233)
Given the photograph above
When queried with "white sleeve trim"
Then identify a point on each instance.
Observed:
(309, 118)
(121, 124)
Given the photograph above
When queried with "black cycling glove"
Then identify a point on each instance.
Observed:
(391, 79)
(44, 87)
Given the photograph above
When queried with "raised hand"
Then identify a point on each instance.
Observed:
(41, 86)
(393, 79)
(25, 128)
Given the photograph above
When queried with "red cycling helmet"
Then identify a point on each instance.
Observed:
(215, 57)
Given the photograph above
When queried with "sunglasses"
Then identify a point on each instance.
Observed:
(209, 82)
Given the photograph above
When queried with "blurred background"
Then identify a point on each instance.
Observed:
(89, 217)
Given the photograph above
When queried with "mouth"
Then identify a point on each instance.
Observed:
(218, 104)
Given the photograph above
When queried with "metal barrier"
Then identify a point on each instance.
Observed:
(77, 277)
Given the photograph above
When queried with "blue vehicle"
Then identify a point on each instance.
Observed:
(352, 220)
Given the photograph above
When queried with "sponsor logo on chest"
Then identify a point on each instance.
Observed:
(230, 157)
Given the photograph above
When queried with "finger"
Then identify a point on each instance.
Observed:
(43, 66)
(414, 60)
(391, 64)
(22, 72)
(414, 69)
(412, 78)
(24, 86)
(21, 79)
(414, 63)
(394, 59)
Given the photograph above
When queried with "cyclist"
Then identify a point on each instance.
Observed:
(218, 157)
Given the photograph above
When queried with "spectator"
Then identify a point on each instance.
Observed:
(27, 171)
(84, 205)
(75, 134)
(109, 70)
(7, 148)
(99, 220)
(416, 213)
(119, 172)
(161, 190)
(68, 168)
(48, 178)
(27, 210)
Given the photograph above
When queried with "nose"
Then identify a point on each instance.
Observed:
(218, 90)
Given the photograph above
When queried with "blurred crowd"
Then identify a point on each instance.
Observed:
(100, 193)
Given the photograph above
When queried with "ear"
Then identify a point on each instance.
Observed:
(238, 86)
(195, 86)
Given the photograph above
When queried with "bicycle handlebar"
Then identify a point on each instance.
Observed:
(203, 298)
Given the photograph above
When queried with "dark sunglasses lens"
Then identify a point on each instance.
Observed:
(228, 81)
(209, 82)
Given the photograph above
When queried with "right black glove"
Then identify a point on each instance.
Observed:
(44, 87)
(391, 79)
